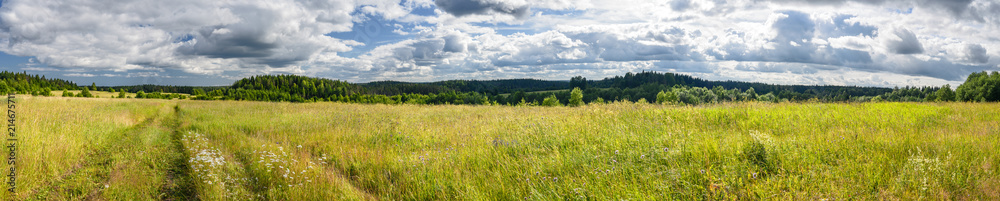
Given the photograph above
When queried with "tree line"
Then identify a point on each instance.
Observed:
(632, 87)
(23, 83)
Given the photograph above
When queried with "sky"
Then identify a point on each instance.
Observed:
(882, 43)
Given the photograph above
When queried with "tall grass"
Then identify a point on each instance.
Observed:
(78, 148)
(614, 151)
(140, 149)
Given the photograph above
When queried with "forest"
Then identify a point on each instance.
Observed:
(654, 87)
(632, 87)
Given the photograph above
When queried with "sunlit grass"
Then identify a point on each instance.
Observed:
(138, 149)
(749, 150)
(75, 148)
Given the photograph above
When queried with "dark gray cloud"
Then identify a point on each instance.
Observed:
(237, 41)
(975, 53)
(906, 43)
(482, 7)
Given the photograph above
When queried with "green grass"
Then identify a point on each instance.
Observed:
(224, 150)
(80, 148)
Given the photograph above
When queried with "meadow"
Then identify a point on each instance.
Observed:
(139, 149)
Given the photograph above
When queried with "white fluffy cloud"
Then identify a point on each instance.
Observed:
(793, 38)
(938, 40)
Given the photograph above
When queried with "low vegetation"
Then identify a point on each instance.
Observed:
(184, 149)
(647, 142)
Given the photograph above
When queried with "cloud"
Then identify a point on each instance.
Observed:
(680, 5)
(975, 53)
(842, 25)
(194, 36)
(487, 39)
(787, 41)
(901, 41)
(792, 32)
(79, 75)
(518, 9)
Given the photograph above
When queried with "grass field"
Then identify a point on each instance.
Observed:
(115, 149)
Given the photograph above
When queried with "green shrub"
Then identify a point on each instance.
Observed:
(575, 97)
(551, 101)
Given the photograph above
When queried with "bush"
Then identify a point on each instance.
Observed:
(665, 97)
(551, 101)
(67, 93)
(85, 93)
(769, 97)
(877, 99)
(575, 97)
(599, 100)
